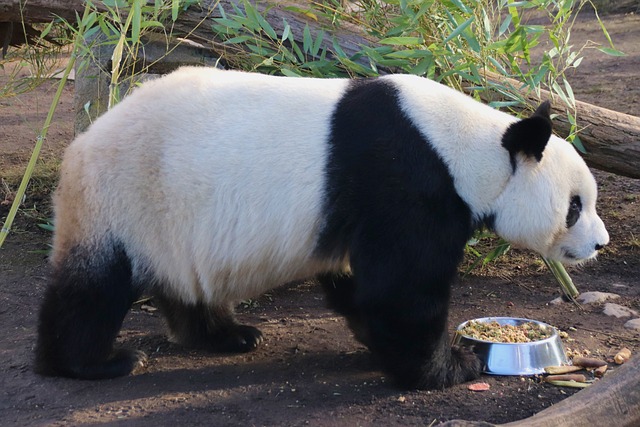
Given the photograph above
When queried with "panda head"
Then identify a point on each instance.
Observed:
(549, 202)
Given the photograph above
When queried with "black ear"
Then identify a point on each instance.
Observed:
(529, 136)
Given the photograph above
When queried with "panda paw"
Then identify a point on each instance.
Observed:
(465, 365)
(459, 366)
(140, 361)
(237, 339)
(121, 362)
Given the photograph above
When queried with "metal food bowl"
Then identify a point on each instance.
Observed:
(528, 358)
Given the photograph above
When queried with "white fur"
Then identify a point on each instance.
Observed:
(530, 206)
(229, 168)
(226, 166)
(544, 190)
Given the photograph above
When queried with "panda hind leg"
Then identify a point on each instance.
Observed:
(83, 308)
(340, 291)
(207, 327)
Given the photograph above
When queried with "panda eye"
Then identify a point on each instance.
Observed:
(575, 207)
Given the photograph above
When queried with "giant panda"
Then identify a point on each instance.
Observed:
(206, 187)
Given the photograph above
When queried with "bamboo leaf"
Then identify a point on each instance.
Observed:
(286, 31)
(175, 9)
(307, 40)
(289, 73)
(268, 29)
(459, 30)
(136, 20)
(611, 51)
(401, 41)
(317, 44)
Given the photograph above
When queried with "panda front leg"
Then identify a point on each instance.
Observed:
(82, 311)
(208, 327)
(415, 350)
(403, 302)
(340, 291)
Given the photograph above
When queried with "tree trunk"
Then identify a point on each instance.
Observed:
(611, 139)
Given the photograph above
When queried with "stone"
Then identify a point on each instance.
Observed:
(633, 324)
(595, 297)
(556, 301)
(619, 311)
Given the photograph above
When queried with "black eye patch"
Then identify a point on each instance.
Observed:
(575, 207)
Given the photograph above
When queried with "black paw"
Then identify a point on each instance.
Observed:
(465, 365)
(121, 362)
(360, 330)
(444, 369)
(237, 339)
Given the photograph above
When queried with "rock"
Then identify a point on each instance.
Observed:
(617, 310)
(633, 324)
(595, 297)
(556, 301)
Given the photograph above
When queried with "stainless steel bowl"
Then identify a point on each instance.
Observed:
(515, 358)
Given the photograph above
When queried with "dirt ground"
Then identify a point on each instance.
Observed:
(310, 371)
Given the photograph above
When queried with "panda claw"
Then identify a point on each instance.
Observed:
(239, 339)
(141, 363)
(249, 338)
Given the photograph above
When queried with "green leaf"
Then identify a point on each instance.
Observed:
(577, 142)
(401, 41)
(611, 51)
(46, 30)
(505, 25)
(151, 24)
(569, 92)
(503, 104)
(558, 90)
(238, 39)
(461, 6)
(175, 9)
(228, 23)
(268, 29)
(459, 30)
(48, 227)
(410, 54)
(317, 44)
(336, 47)
(121, 4)
(307, 40)
(136, 20)
(425, 67)
(286, 31)
(289, 73)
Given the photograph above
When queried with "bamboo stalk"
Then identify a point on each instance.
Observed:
(17, 201)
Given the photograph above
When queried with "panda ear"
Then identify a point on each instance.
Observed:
(529, 136)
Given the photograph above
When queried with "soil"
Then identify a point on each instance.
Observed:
(310, 371)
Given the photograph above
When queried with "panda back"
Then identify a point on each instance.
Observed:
(212, 180)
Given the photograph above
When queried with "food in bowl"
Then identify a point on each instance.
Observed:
(505, 333)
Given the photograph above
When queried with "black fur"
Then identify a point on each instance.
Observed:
(529, 136)
(207, 327)
(340, 290)
(81, 314)
(392, 207)
(85, 305)
(575, 208)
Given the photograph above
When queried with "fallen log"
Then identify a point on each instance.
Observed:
(611, 139)
(612, 401)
